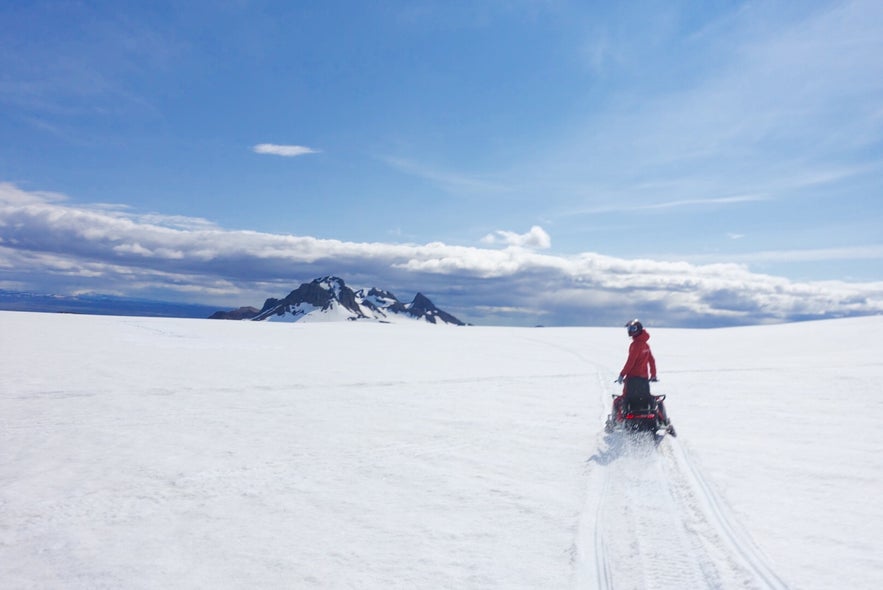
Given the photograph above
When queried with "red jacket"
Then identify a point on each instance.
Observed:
(639, 358)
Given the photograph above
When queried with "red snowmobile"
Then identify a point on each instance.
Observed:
(641, 412)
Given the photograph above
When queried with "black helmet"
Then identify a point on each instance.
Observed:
(635, 327)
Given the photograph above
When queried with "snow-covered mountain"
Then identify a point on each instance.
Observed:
(330, 299)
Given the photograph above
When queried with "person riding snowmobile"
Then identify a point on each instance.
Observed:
(637, 373)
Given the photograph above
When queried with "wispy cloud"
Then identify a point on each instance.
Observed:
(48, 242)
(619, 204)
(56, 83)
(447, 179)
(288, 151)
(701, 202)
(775, 111)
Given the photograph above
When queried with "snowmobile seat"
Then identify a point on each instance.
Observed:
(637, 396)
(637, 387)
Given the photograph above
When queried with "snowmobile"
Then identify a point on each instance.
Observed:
(640, 413)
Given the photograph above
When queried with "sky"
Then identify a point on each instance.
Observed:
(519, 162)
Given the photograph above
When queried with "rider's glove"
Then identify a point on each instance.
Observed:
(654, 379)
(619, 379)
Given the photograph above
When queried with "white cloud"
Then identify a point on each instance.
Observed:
(48, 243)
(289, 151)
(535, 238)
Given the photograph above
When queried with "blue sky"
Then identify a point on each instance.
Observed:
(518, 161)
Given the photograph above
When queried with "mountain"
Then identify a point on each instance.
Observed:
(330, 299)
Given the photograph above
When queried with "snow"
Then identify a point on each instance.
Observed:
(291, 315)
(334, 313)
(168, 453)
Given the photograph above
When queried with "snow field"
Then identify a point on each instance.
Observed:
(145, 453)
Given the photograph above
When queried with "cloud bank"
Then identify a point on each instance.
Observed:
(49, 244)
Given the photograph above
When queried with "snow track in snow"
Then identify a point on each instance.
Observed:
(727, 529)
(652, 521)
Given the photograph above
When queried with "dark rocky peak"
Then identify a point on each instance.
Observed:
(270, 303)
(380, 299)
(422, 302)
(322, 293)
(380, 294)
(422, 307)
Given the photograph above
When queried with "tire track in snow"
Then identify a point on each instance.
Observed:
(652, 521)
(645, 540)
(593, 571)
(602, 565)
(737, 541)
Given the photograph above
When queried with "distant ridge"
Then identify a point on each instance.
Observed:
(330, 299)
(97, 304)
(243, 313)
